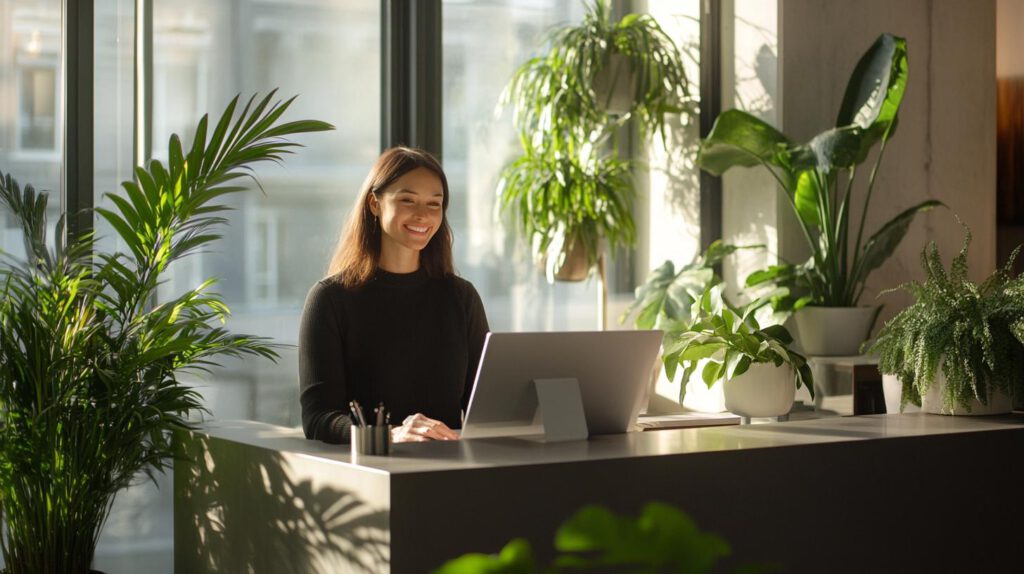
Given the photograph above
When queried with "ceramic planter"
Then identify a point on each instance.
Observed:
(931, 402)
(892, 389)
(577, 264)
(615, 85)
(763, 391)
(833, 331)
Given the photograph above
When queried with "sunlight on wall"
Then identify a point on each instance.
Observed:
(672, 208)
(750, 74)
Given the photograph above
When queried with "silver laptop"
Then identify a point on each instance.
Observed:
(613, 369)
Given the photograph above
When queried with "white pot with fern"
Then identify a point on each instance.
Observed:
(959, 349)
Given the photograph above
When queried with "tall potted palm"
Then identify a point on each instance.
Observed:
(89, 364)
(817, 177)
(570, 193)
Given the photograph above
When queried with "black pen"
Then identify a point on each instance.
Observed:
(380, 414)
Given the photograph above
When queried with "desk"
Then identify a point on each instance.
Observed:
(910, 492)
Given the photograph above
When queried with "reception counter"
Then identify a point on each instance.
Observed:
(880, 493)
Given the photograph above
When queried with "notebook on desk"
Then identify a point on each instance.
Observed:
(686, 420)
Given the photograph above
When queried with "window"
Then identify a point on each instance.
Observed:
(30, 117)
(277, 244)
(484, 42)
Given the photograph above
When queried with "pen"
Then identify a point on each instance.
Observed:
(380, 414)
(360, 420)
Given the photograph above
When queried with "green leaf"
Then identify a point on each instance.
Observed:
(807, 199)
(515, 558)
(875, 90)
(841, 147)
(740, 139)
(712, 373)
(883, 243)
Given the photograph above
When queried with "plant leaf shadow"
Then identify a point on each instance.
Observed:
(240, 508)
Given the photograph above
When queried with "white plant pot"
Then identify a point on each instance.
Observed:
(999, 403)
(833, 331)
(892, 388)
(763, 391)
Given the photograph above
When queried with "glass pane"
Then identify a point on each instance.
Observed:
(484, 42)
(277, 244)
(673, 196)
(750, 200)
(31, 120)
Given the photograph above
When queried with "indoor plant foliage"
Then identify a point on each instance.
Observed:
(973, 333)
(818, 179)
(570, 187)
(667, 295)
(660, 539)
(728, 341)
(89, 365)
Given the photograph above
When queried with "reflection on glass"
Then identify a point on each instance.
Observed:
(484, 42)
(277, 244)
(31, 119)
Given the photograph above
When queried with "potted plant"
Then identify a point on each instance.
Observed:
(818, 178)
(959, 349)
(759, 371)
(570, 191)
(89, 361)
(568, 204)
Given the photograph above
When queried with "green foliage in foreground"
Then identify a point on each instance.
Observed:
(661, 539)
(89, 364)
(974, 333)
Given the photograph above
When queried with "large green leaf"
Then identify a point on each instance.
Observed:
(875, 90)
(842, 147)
(882, 244)
(807, 198)
(740, 139)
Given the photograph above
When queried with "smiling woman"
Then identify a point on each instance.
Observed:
(392, 323)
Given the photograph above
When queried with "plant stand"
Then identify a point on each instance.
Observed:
(848, 385)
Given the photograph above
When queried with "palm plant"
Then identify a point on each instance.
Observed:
(818, 180)
(89, 365)
(973, 333)
(570, 188)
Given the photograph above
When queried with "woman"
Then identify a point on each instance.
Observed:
(392, 323)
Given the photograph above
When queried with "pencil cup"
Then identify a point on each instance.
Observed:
(375, 440)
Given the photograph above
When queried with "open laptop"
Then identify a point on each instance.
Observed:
(612, 368)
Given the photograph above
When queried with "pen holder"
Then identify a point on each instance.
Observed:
(375, 440)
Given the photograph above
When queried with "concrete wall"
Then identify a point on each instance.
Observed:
(946, 143)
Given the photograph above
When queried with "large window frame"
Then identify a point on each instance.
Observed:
(411, 94)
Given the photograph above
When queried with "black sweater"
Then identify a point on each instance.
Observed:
(408, 340)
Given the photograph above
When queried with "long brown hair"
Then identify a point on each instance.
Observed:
(357, 255)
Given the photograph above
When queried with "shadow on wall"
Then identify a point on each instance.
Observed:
(290, 527)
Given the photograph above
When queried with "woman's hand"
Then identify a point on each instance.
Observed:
(418, 428)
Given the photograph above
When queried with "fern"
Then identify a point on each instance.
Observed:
(974, 333)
